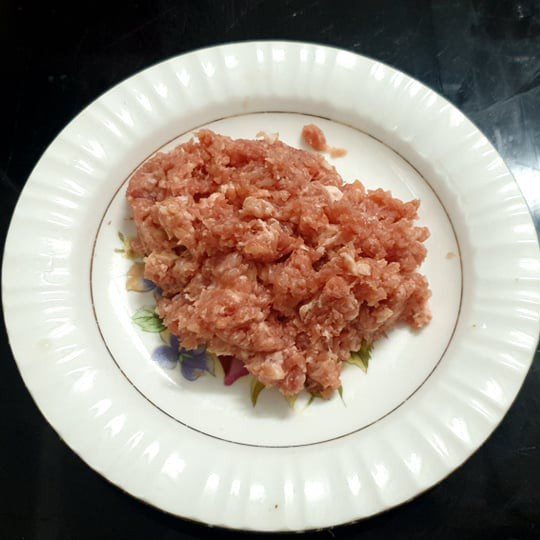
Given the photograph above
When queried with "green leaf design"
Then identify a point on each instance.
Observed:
(291, 400)
(256, 388)
(312, 398)
(148, 320)
(361, 357)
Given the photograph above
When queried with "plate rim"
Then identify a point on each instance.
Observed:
(193, 54)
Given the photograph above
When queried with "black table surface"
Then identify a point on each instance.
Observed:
(484, 56)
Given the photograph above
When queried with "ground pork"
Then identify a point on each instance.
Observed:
(263, 253)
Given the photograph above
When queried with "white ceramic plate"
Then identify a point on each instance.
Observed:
(199, 449)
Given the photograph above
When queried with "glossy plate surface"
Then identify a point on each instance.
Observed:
(199, 449)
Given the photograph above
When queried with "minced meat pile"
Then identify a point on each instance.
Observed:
(265, 254)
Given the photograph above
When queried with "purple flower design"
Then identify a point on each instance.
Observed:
(195, 363)
(166, 356)
(148, 284)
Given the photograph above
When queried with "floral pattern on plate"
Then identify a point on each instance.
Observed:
(195, 363)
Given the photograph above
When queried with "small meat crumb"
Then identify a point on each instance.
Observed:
(313, 136)
(451, 255)
(337, 152)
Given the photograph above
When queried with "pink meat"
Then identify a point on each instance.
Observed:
(314, 137)
(264, 254)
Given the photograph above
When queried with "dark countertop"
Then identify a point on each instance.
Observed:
(484, 56)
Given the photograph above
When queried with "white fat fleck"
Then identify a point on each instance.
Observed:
(363, 269)
(263, 327)
(234, 295)
(272, 371)
(276, 357)
(306, 308)
(330, 240)
(327, 335)
(384, 315)
(357, 268)
(268, 137)
(266, 230)
(334, 193)
(214, 196)
(258, 207)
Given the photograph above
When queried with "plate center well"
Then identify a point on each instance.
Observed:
(399, 366)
